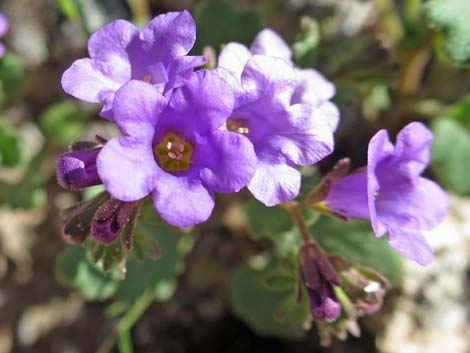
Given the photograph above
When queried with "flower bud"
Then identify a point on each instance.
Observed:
(111, 219)
(77, 170)
(364, 286)
(319, 279)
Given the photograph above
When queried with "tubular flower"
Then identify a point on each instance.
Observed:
(178, 149)
(392, 194)
(284, 135)
(311, 87)
(120, 52)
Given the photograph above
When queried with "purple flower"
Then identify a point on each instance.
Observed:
(392, 194)
(311, 88)
(4, 26)
(77, 170)
(284, 134)
(120, 52)
(178, 149)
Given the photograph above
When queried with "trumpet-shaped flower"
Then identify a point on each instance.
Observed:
(311, 87)
(392, 194)
(178, 149)
(284, 135)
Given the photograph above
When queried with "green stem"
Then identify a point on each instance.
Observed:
(125, 342)
(134, 313)
(295, 211)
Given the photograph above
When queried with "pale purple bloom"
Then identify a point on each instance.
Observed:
(77, 170)
(392, 194)
(4, 26)
(120, 52)
(178, 149)
(311, 88)
(284, 135)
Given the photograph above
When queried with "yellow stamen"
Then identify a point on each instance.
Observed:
(173, 153)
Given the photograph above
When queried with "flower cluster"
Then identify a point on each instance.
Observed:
(188, 133)
(251, 121)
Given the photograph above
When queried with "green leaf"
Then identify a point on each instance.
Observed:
(11, 74)
(451, 18)
(461, 112)
(74, 269)
(147, 273)
(11, 146)
(266, 311)
(357, 243)
(63, 122)
(273, 223)
(219, 22)
(267, 221)
(451, 155)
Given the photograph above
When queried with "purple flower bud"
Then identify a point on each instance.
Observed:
(111, 219)
(319, 278)
(77, 170)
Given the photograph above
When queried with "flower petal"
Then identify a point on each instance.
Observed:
(182, 201)
(307, 138)
(332, 114)
(204, 103)
(313, 87)
(379, 149)
(275, 182)
(137, 107)
(181, 68)
(231, 163)
(91, 81)
(233, 58)
(127, 168)
(170, 35)
(268, 42)
(4, 25)
(413, 148)
(411, 244)
(109, 43)
(269, 78)
(417, 204)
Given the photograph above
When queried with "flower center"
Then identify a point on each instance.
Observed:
(148, 79)
(173, 153)
(238, 125)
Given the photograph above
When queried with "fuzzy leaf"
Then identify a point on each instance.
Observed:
(451, 155)
(451, 18)
(356, 242)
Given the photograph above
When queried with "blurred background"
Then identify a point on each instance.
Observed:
(393, 62)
